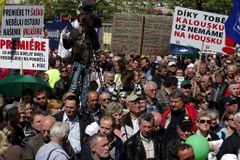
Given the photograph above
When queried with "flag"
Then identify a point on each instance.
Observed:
(2, 5)
(232, 25)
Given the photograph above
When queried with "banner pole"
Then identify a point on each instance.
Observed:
(142, 36)
(198, 68)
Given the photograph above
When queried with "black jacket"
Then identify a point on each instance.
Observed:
(230, 146)
(83, 119)
(134, 149)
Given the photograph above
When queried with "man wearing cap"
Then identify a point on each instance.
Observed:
(184, 130)
(186, 88)
(177, 110)
(130, 124)
(172, 68)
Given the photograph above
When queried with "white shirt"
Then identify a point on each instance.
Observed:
(148, 146)
(135, 125)
(74, 134)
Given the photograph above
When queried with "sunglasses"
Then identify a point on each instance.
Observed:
(186, 87)
(39, 98)
(106, 99)
(64, 71)
(230, 119)
(202, 121)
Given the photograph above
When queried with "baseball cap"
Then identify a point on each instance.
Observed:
(172, 63)
(132, 97)
(186, 124)
(186, 83)
(229, 100)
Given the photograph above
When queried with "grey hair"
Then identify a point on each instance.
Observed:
(114, 107)
(236, 117)
(60, 130)
(214, 113)
(147, 117)
(177, 93)
(148, 83)
(93, 140)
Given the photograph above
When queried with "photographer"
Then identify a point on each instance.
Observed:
(83, 41)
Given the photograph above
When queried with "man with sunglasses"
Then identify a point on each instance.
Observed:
(105, 99)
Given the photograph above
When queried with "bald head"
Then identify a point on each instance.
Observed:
(158, 120)
(47, 123)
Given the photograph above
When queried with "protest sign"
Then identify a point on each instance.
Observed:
(107, 38)
(25, 52)
(126, 33)
(192, 28)
(53, 31)
(22, 21)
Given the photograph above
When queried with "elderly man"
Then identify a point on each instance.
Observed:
(144, 145)
(116, 148)
(53, 150)
(99, 148)
(105, 99)
(231, 145)
(157, 122)
(153, 104)
(130, 124)
(109, 84)
(39, 140)
(175, 113)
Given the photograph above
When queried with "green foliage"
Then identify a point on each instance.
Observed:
(214, 6)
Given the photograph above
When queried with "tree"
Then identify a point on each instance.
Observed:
(214, 6)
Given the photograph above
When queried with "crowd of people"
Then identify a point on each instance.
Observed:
(136, 108)
(123, 107)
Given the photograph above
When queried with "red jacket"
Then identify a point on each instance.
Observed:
(191, 112)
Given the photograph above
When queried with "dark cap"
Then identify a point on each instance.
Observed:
(186, 124)
(229, 101)
(186, 83)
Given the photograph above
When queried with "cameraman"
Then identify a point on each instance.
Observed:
(83, 40)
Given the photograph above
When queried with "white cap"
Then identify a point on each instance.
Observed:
(92, 128)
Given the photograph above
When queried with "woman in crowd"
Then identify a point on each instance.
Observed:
(116, 110)
(54, 106)
(229, 126)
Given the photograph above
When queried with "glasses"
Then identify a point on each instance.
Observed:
(230, 119)
(41, 98)
(106, 99)
(186, 87)
(202, 121)
(64, 71)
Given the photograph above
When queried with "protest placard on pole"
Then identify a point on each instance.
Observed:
(191, 28)
(24, 53)
(22, 21)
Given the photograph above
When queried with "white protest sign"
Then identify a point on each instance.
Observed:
(192, 28)
(25, 52)
(22, 21)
